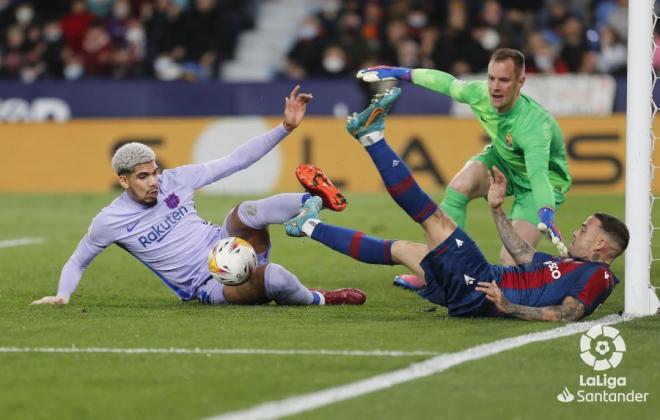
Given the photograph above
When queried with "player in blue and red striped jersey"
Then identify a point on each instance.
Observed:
(457, 275)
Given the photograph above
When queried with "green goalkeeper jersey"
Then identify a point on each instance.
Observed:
(527, 139)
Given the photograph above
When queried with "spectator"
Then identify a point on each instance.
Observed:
(334, 62)
(457, 51)
(613, 54)
(618, 19)
(541, 57)
(408, 54)
(396, 33)
(128, 57)
(73, 65)
(54, 44)
(190, 39)
(307, 53)
(573, 37)
(75, 24)
(329, 18)
(15, 54)
(428, 38)
(117, 21)
(97, 51)
(162, 21)
(349, 39)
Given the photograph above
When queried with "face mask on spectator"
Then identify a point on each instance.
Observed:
(52, 35)
(333, 64)
(166, 69)
(417, 19)
(543, 62)
(24, 14)
(134, 35)
(308, 31)
(490, 40)
(29, 74)
(73, 71)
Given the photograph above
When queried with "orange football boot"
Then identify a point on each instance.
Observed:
(317, 183)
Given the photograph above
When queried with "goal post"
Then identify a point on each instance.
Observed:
(640, 295)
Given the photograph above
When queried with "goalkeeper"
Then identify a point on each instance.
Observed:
(526, 144)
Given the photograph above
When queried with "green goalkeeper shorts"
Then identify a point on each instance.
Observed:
(524, 205)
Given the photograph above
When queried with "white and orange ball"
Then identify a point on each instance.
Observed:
(232, 260)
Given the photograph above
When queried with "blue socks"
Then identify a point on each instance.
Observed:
(357, 245)
(400, 183)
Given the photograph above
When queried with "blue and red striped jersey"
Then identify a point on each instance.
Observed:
(548, 279)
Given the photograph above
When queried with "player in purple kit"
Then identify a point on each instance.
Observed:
(457, 275)
(156, 221)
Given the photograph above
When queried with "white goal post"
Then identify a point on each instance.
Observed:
(640, 296)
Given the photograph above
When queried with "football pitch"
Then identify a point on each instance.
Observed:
(126, 347)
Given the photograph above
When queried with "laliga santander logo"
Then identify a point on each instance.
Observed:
(602, 347)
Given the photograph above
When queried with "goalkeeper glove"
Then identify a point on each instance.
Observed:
(547, 224)
(383, 73)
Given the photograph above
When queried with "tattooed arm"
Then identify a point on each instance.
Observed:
(570, 309)
(520, 250)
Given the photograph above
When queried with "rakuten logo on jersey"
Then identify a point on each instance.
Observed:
(554, 269)
(162, 229)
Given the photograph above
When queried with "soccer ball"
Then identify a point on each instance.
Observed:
(232, 260)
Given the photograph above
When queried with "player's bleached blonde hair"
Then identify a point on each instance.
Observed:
(127, 157)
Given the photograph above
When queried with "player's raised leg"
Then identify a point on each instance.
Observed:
(367, 127)
(370, 249)
(250, 219)
(355, 244)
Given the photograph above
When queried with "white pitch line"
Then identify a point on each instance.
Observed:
(313, 400)
(172, 350)
(9, 243)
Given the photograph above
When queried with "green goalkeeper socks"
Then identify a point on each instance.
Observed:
(455, 205)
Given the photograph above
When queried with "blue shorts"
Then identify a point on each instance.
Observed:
(452, 271)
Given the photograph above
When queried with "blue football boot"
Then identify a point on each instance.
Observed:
(373, 117)
(310, 210)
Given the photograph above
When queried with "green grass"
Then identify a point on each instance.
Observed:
(121, 304)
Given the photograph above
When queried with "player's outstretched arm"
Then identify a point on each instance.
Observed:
(570, 310)
(88, 248)
(519, 249)
(295, 106)
(384, 73)
(51, 300)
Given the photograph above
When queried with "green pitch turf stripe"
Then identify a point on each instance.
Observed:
(306, 402)
(9, 243)
(283, 352)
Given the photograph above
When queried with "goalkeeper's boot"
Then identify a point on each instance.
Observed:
(317, 183)
(408, 282)
(372, 119)
(343, 296)
(310, 210)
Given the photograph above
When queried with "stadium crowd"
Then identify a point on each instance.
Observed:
(458, 36)
(190, 39)
(119, 39)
